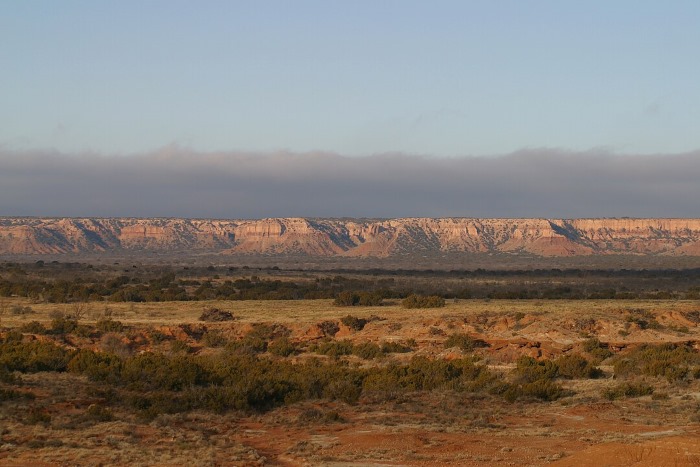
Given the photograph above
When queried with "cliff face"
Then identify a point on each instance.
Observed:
(353, 237)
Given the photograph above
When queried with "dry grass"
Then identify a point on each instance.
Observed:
(311, 310)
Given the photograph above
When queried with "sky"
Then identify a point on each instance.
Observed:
(428, 85)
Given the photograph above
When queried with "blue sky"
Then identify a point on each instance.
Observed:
(438, 78)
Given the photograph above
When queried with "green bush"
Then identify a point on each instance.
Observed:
(597, 349)
(354, 323)
(542, 389)
(348, 298)
(13, 336)
(157, 337)
(150, 371)
(98, 413)
(367, 350)
(421, 301)
(21, 310)
(63, 325)
(97, 366)
(334, 348)
(529, 370)
(329, 328)
(31, 357)
(282, 347)
(576, 367)
(7, 376)
(671, 361)
(109, 325)
(463, 341)
(33, 327)
(627, 390)
(399, 347)
(214, 338)
(178, 346)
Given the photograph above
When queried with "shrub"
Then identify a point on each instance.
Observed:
(97, 366)
(109, 325)
(335, 348)
(113, 343)
(31, 357)
(98, 413)
(354, 323)
(268, 332)
(249, 345)
(399, 347)
(178, 346)
(628, 390)
(11, 394)
(215, 314)
(367, 350)
(282, 347)
(13, 336)
(529, 370)
(63, 325)
(33, 327)
(21, 310)
(463, 341)
(670, 361)
(358, 299)
(329, 328)
(597, 349)
(6, 376)
(83, 330)
(37, 416)
(541, 389)
(214, 338)
(156, 337)
(149, 371)
(576, 367)
(421, 301)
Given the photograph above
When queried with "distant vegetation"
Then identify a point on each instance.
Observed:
(75, 282)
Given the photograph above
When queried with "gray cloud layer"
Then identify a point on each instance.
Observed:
(176, 182)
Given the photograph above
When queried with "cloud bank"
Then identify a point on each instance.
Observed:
(176, 182)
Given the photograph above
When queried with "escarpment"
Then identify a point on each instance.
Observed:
(353, 237)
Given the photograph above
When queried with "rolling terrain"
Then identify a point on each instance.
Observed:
(380, 238)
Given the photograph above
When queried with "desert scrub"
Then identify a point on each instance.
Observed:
(399, 347)
(349, 298)
(463, 341)
(35, 356)
(627, 390)
(529, 370)
(109, 325)
(97, 366)
(61, 325)
(216, 314)
(423, 301)
(334, 348)
(282, 347)
(642, 318)
(214, 338)
(541, 389)
(597, 349)
(329, 328)
(576, 367)
(367, 350)
(353, 322)
(675, 362)
(33, 327)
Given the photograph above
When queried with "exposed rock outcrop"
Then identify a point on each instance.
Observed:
(353, 237)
